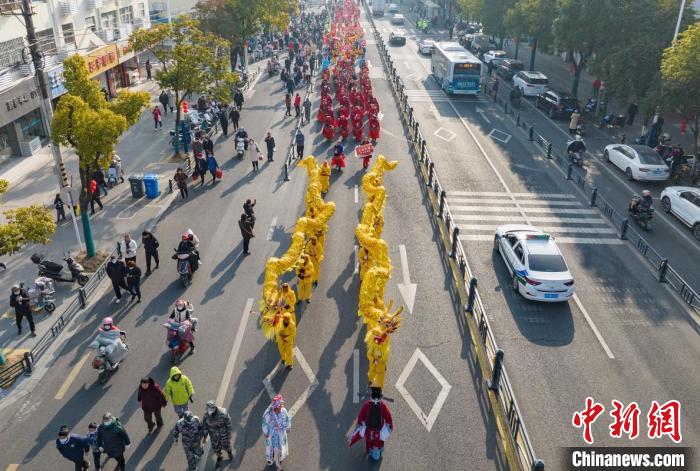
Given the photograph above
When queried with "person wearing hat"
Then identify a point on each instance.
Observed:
(217, 425)
(315, 252)
(73, 448)
(92, 440)
(192, 431)
(305, 273)
(116, 271)
(179, 390)
(152, 400)
(275, 425)
(286, 299)
(19, 299)
(375, 424)
(285, 333)
(113, 440)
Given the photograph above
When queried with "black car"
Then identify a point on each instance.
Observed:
(509, 67)
(397, 38)
(557, 104)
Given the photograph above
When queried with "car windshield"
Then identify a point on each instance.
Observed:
(547, 263)
(648, 156)
(538, 81)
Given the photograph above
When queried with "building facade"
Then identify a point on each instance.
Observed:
(95, 29)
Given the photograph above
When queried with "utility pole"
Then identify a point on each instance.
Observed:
(680, 17)
(46, 109)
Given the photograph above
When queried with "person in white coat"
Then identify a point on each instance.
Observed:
(275, 425)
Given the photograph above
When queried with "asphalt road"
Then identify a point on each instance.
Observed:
(441, 414)
(625, 337)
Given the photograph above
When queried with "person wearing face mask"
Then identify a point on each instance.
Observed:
(275, 425)
(19, 299)
(113, 440)
(217, 425)
(152, 400)
(192, 431)
(92, 440)
(73, 448)
(179, 390)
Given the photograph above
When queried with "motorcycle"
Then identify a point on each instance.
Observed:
(55, 270)
(176, 339)
(110, 356)
(643, 215)
(590, 105)
(612, 120)
(184, 267)
(240, 147)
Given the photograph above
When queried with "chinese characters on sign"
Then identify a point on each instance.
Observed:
(102, 59)
(21, 100)
(662, 420)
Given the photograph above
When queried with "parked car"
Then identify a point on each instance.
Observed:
(509, 67)
(397, 38)
(495, 56)
(481, 44)
(557, 104)
(530, 83)
(425, 46)
(684, 203)
(392, 8)
(398, 19)
(639, 162)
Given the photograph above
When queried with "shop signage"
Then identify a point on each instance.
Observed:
(18, 101)
(102, 59)
(56, 82)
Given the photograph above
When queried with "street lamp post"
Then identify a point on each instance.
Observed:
(680, 17)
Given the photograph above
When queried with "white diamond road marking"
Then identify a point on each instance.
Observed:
(313, 382)
(413, 77)
(428, 420)
(448, 135)
(501, 136)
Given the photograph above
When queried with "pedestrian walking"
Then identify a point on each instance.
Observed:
(213, 167)
(223, 119)
(288, 104)
(152, 400)
(60, 208)
(248, 209)
(496, 83)
(126, 248)
(573, 122)
(307, 111)
(200, 168)
(92, 440)
(94, 196)
(597, 83)
(171, 100)
(116, 271)
(632, 111)
(192, 431)
(299, 140)
(113, 440)
(181, 181)
(255, 153)
(290, 85)
(217, 425)
(238, 99)
(491, 66)
(234, 116)
(157, 118)
(73, 448)
(164, 100)
(179, 390)
(133, 280)
(99, 177)
(270, 144)
(297, 105)
(150, 246)
(19, 299)
(148, 70)
(208, 145)
(276, 423)
(246, 227)
(285, 334)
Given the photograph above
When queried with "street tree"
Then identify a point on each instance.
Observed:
(490, 13)
(532, 18)
(192, 62)
(516, 25)
(238, 20)
(680, 72)
(85, 121)
(29, 225)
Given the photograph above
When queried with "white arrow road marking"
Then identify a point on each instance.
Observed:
(357, 194)
(355, 376)
(428, 420)
(313, 382)
(271, 230)
(357, 263)
(407, 289)
(483, 114)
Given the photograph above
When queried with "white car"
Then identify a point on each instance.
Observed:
(398, 19)
(425, 46)
(534, 261)
(393, 8)
(684, 203)
(639, 162)
(495, 56)
(531, 83)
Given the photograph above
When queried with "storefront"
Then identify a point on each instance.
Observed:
(21, 125)
(113, 66)
(56, 84)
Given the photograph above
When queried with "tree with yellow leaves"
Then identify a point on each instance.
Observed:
(31, 225)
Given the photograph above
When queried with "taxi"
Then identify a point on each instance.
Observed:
(534, 261)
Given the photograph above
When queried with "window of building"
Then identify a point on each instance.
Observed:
(31, 125)
(47, 42)
(5, 146)
(68, 34)
(11, 52)
(141, 9)
(109, 19)
(126, 14)
(90, 23)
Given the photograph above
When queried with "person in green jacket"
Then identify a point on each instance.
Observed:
(179, 390)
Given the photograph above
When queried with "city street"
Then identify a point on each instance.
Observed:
(442, 416)
(624, 336)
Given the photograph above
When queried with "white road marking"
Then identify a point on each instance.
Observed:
(357, 194)
(448, 135)
(593, 327)
(271, 230)
(313, 382)
(483, 114)
(554, 229)
(12, 467)
(407, 289)
(508, 195)
(512, 209)
(356, 263)
(355, 376)
(560, 240)
(429, 420)
(71, 377)
(498, 201)
(518, 219)
(500, 136)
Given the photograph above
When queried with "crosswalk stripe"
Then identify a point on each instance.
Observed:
(559, 240)
(508, 195)
(551, 229)
(513, 209)
(507, 219)
(520, 202)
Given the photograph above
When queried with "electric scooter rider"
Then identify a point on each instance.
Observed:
(183, 312)
(576, 148)
(644, 203)
(188, 245)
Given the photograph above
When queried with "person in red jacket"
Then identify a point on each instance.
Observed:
(157, 118)
(94, 196)
(328, 129)
(357, 129)
(373, 128)
(297, 104)
(152, 400)
(375, 424)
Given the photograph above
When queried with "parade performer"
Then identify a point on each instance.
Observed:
(325, 175)
(275, 425)
(343, 126)
(373, 128)
(375, 424)
(367, 157)
(328, 128)
(357, 128)
(286, 299)
(305, 273)
(315, 252)
(285, 334)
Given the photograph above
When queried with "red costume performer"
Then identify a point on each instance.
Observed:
(373, 127)
(357, 129)
(343, 126)
(375, 424)
(328, 129)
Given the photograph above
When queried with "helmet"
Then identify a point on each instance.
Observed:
(185, 236)
(646, 193)
(578, 137)
(107, 323)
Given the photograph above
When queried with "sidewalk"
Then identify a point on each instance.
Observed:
(33, 181)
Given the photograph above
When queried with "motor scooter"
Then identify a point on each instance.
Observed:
(55, 270)
(184, 267)
(576, 158)
(175, 339)
(102, 362)
(643, 215)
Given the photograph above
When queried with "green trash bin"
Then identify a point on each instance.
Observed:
(136, 184)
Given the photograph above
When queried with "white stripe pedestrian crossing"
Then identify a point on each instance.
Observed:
(477, 214)
(423, 95)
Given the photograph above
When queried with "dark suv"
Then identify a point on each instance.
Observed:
(557, 104)
(509, 67)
